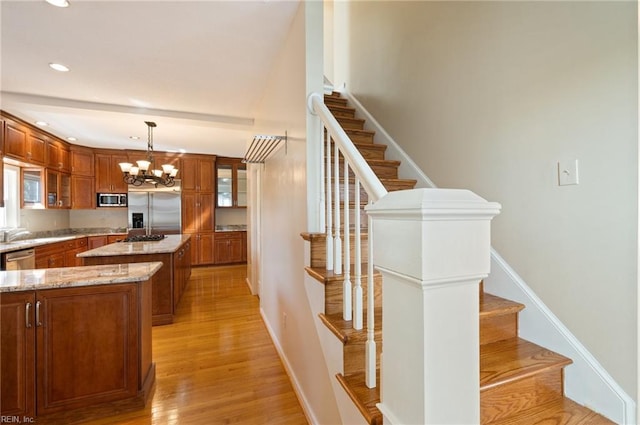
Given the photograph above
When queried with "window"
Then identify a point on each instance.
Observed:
(10, 214)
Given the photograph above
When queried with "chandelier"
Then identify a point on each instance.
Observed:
(136, 175)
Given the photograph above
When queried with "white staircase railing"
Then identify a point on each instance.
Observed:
(339, 255)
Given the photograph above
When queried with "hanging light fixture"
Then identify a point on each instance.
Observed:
(136, 175)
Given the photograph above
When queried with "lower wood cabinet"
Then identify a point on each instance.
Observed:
(230, 247)
(175, 272)
(68, 348)
(60, 254)
(101, 240)
(202, 249)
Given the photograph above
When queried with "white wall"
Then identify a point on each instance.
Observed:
(488, 96)
(284, 217)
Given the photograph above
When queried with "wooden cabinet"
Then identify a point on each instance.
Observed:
(182, 272)
(230, 247)
(58, 189)
(101, 240)
(173, 273)
(202, 249)
(17, 354)
(58, 156)
(82, 161)
(60, 254)
(108, 174)
(198, 219)
(231, 183)
(83, 195)
(197, 173)
(24, 144)
(1, 163)
(197, 212)
(69, 348)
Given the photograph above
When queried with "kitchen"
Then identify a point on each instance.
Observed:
(77, 90)
(196, 220)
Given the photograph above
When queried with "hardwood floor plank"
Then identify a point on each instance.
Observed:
(215, 364)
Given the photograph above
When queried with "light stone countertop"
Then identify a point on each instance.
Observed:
(67, 277)
(31, 243)
(168, 245)
(231, 228)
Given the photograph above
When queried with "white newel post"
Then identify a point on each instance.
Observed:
(432, 247)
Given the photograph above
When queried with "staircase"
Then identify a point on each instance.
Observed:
(520, 382)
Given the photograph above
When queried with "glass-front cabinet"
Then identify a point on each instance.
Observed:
(58, 189)
(231, 183)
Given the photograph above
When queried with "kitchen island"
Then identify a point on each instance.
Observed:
(75, 338)
(174, 251)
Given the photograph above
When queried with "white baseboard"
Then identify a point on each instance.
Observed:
(306, 406)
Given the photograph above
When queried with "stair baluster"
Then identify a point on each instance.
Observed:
(322, 203)
(346, 286)
(329, 233)
(337, 240)
(370, 347)
(357, 315)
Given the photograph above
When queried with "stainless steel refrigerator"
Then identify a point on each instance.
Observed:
(154, 210)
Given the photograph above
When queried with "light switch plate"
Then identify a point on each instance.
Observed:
(568, 172)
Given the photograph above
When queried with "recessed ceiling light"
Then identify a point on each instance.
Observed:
(58, 3)
(71, 139)
(58, 67)
(42, 123)
(134, 138)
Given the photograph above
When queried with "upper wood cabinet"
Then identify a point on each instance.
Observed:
(23, 144)
(1, 136)
(231, 182)
(58, 189)
(108, 174)
(58, 156)
(82, 161)
(197, 173)
(83, 195)
(1, 163)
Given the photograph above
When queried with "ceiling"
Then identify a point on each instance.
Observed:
(196, 68)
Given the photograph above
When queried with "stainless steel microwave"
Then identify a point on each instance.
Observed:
(112, 200)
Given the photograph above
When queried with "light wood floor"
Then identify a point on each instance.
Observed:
(216, 363)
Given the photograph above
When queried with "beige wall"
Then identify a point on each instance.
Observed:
(489, 96)
(283, 199)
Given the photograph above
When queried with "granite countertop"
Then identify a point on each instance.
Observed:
(67, 277)
(31, 243)
(231, 228)
(169, 244)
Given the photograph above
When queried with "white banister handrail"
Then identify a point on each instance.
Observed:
(338, 254)
(360, 167)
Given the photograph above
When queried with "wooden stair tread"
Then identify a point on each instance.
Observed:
(561, 412)
(353, 131)
(382, 162)
(324, 276)
(364, 398)
(491, 305)
(513, 359)
(341, 110)
(343, 329)
(399, 181)
(331, 100)
(321, 236)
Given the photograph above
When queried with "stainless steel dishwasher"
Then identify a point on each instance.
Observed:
(20, 260)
